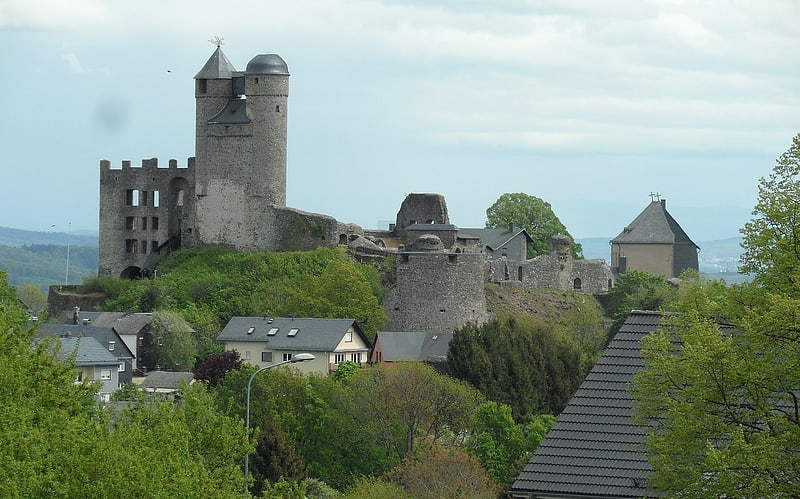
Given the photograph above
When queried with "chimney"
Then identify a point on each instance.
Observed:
(664, 203)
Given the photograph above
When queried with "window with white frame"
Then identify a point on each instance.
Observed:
(356, 357)
(247, 355)
(111, 345)
(266, 356)
(348, 336)
(105, 374)
(287, 357)
(121, 368)
(339, 358)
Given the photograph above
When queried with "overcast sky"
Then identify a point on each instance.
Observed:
(589, 105)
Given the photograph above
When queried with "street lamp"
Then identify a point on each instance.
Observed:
(300, 357)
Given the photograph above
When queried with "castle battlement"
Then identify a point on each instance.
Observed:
(147, 164)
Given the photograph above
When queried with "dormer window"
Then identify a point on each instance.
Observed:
(111, 345)
(250, 330)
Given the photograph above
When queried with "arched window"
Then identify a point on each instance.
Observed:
(576, 284)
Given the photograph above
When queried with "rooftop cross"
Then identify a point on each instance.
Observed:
(217, 41)
(654, 196)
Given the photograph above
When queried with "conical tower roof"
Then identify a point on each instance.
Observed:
(654, 225)
(218, 67)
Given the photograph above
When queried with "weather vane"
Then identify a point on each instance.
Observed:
(217, 41)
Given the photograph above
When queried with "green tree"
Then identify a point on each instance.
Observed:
(771, 240)
(172, 345)
(501, 445)
(532, 214)
(341, 291)
(722, 403)
(518, 362)
(32, 296)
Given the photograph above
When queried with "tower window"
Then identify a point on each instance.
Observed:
(130, 246)
(156, 198)
(201, 86)
(144, 246)
(154, 223)
(144, 223)
(142, 198)
(130, 223)
(277, 109)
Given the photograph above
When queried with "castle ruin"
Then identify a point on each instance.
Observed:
(232, 193)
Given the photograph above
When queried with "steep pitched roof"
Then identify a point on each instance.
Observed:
(595, 449)
(654, 225)
(122, 322)
(103, 335)
(494, 238)
(321, 335)
(413, 345)
(88, 352)
(218, 67)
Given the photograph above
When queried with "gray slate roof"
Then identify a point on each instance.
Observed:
(654, 225)
(494, 238)
(218, 67)
(595, 449)
(166, 380)
(102, 334)
(89, 352)
(123, 322)
(413, 345)
(321, 335)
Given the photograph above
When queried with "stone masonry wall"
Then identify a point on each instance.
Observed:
(436, 291)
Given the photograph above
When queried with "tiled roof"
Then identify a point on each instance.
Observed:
(594, 449)
(654, 225)
(322, 335)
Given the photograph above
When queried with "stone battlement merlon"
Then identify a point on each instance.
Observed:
(151, 163)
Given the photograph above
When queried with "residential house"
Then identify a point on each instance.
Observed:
(106, 336)
(166, 382)
(395, 346)
(654, 242)
(265, 341)
(93, 362)
(510, 242)
(133, 328)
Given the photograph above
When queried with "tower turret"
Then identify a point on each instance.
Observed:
(240, 150)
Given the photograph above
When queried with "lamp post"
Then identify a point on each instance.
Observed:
(300, 357)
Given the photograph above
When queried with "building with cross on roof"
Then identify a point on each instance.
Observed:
(654, 242)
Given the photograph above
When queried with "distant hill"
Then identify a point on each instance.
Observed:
(40, 258)
(19, 237)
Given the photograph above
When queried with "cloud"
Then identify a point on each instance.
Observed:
(74, 64)
(37, 15)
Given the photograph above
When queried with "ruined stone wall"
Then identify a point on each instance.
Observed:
(436, 291)
(141, 207)
(290, 229)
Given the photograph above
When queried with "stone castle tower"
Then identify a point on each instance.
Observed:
(240, 148)
(232, 193)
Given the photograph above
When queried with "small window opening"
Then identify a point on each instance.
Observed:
(156, 198)
(576, 284)
(144, 246)
(130, 223)
(202, 86)
(154, 223)
(179, 202)
(144, 223)
(143, 196)
(277, 109)
(153, 246)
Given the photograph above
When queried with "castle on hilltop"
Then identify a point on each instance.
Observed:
(232, 193)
